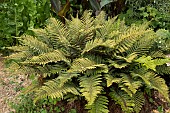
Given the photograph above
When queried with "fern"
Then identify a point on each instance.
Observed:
(124, 100)
(45, 58)
(52, 90)
(87, 57)
(128, 84)
(83, 64)
(99, 105)
(153, 81)
(90, 87)
(35, 44)
(138, 101)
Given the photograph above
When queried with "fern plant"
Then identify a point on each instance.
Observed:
(92, 58)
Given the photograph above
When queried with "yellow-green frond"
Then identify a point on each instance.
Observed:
(138, 101)
(45, 58)
(35, 44)
(130, 84)
(124, 100)
(90, 87)
(83, 64)
(97, 42)
(111, 79)
(52, 89)
(99, 105)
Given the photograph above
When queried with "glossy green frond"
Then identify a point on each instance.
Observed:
(83, 64)
(129, 84)
(35, 44)
(111, 79)
(45, 58)
(151, 63)
(138, 101)
(90, 87)
(99, 105)
(128, 38)
(52, 89)
(151, 80)
(98, 42)
(124, 100)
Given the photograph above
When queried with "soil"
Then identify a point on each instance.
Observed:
(10, 86)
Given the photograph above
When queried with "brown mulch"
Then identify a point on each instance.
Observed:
(10, 86)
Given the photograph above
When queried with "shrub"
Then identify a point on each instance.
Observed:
(92, 59)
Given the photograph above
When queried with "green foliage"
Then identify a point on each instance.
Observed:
(157, 18)
(19, 16)
(91, 58)
(25, 104)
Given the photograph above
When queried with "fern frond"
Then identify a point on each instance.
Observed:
(118, 64)
(160, 85)
(18, 48)
(99, 105)
(45, 58)
(65, 77)
(131, 84)
(52, 89)
(57, 34)
(106, 28)
(35, 44)
(153, 81)
(90, 87)
(21, 55)
(163, 69)
(83, 64)
(151, 63)
(111, 79)
(143, 45)
(42, 35)
(97, 42)
(123, 99)
(138, 101)
(127, 39)
(31, 88)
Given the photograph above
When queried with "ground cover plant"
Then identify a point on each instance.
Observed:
(93, 60)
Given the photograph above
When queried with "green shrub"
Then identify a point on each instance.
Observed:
(19, 16)
(92, 59)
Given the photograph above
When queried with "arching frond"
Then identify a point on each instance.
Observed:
(138, 101)
(163, 69)
(99, 105)
(65, 77)
(57, 34)
(128, 84)
(21, 55)
(151, 63)
(98, 42)
(111, 79)
(90, 87)
(83, 64)
(52, 89)
(124, 100)
(128, 38)
(18, 48)
(151, 80)
(45, 58)
(35, 44)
